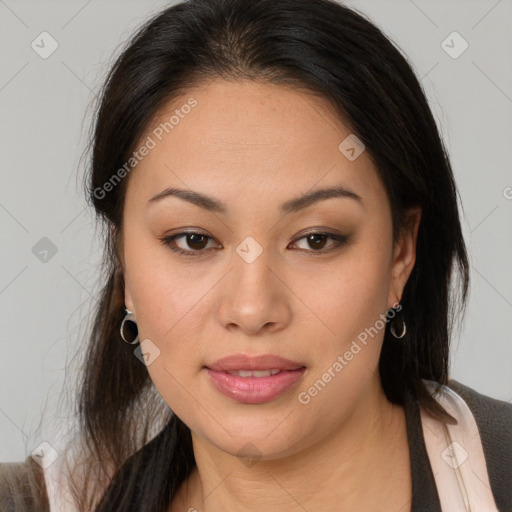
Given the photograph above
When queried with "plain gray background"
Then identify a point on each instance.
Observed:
(44, 125)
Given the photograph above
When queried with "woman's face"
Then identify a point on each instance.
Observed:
(252, 282)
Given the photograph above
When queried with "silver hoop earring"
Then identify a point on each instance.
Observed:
(399, 319)
(129, 325)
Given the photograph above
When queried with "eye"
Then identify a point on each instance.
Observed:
(191, 239)
(194, 242)
(317, 241)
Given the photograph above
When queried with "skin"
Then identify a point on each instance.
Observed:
(255, 146)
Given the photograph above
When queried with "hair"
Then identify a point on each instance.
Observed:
(328, 50)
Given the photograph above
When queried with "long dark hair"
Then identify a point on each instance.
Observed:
(133, 445)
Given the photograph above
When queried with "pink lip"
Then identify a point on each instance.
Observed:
(260, 362)
(255, 390)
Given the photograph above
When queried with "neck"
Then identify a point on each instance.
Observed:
(362, 465)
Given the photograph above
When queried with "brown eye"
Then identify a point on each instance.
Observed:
(192, 243)
(196, 241)
(317, 241)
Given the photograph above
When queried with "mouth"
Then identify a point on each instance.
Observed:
(254, 363)
(256, 373)
(254, 386)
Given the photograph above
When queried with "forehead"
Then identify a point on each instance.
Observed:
(249, 138)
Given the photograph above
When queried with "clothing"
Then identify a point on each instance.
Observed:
(492, 417)
(494, 421)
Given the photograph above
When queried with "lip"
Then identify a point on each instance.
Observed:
(254, 390)
(258, 362)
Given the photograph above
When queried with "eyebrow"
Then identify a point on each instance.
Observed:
(293, 205)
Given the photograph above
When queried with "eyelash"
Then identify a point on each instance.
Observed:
(167, 241)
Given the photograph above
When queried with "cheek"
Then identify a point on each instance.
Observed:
(165, 292)
(347, 329)
(174, 306)
(345, 298)
(352, 306)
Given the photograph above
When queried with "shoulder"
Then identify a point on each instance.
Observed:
(490, 413)
(22, 487)
(493, 418)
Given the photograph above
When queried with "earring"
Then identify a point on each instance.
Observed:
(399, 319)
(129, 324)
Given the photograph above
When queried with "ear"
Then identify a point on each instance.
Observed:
(128, 297)
(404, 256)
(117, 240)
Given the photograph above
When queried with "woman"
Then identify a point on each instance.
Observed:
(282, 232)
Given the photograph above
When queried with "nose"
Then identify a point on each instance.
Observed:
(254, 297)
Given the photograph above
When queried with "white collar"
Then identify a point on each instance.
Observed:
(456, 456)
